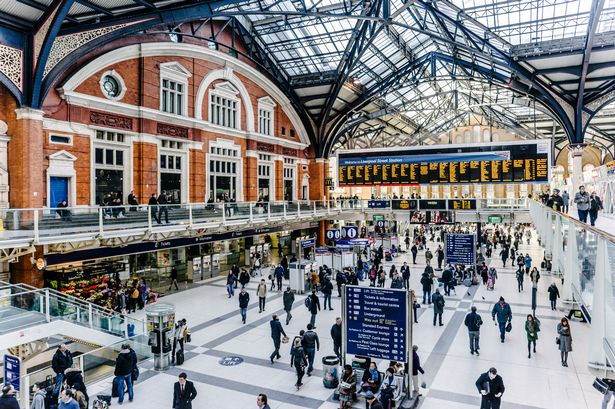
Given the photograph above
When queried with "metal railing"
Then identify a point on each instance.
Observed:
(585, 257)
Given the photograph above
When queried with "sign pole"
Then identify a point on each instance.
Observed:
(344, 325)
(410, 315)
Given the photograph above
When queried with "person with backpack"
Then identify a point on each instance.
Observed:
(288, 299)
(230, 284)
(405, 274)
(438, 307)
(134, 299)
(276, 333)
(503, 312)
(527, 260)
(313, 305)
(447, 280)
(428, 256)
(311, 344)
(298, 361)
(38, 400)
(279, 276)
(327, 289)
(473, 321)
(261, 292)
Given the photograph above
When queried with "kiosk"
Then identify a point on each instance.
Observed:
(160, 319)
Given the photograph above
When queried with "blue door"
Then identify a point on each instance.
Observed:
(58, 190)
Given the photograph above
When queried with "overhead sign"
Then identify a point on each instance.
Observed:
(12, 367)
(405, 204)
(381, 223)
(494, 219)
(308, 243)
(459, 249)
(461, 204)
(378, 204)
(332, 234)
(432, 204)
(510, 162)
(376, 321)
(350, 232)
(377, 217)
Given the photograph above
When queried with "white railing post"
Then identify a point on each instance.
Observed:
(268, 210)
(100, 220)
(36, 232)
(299, 210)
(90, 316)
(149, 217)
(190, 215)
(284, 208)
(328, 206)
(47, 309)
(224, 213)
(251, 212)
(81, 367)
(314, 207)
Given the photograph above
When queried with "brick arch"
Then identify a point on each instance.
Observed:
(227, 75)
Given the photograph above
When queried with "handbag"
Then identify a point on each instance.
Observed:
(284, 339)
(508, 327)
(601, 386)
(557, 341)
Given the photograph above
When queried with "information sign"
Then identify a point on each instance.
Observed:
(12, 366)
(461, 204)
(459, 249)
(332, 234)
(376, 323)
(378, 204)
(432, 204)
(308, 243)
(494, 219)
(350, 232)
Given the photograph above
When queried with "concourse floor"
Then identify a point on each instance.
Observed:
(450, 369)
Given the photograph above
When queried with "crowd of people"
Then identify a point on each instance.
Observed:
(588, 204)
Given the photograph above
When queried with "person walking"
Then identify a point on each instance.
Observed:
(405, 274)
(336, 336)
(62, 361)
(184, 393)
(261, 401)
(582, 200)
(8, 400)
(153, 207)
(426, 282)
(244, 300)
(555, 201)
(534, 275)
(288, 298)
(504, 255)
(123, 373)
(244, 278)
(440, 256)
(173, 278)
(438, 307)
(279, 276)
(416, 368)
(313, 307)
(327, 290)
(527, 260)
(38, 400)
(595, 205)
(553, 295)
(503, 312)
(532, 327)
(276, 334)
(473, 321)
(414, 250)
(163, 207)
(447, 279)
(261, 292)
(520, 275)
(491, 387)
(566, 201)
(311, 344)
(564, 340)
(230, 284)
(298, 361)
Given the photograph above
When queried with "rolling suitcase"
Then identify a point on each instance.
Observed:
(179, 357)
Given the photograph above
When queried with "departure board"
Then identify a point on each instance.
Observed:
(510, 162)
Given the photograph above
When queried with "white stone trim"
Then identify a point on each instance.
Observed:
(188, 50)
(225, 74)
(103, 104)
(69, 136)
(174, 71)
(120, 81)
(227, 91)
(30, 113)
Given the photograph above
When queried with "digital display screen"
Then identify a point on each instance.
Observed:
(525, 162)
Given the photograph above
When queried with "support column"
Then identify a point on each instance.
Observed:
(319, 170)
(24, 271)
(577, 167)
(597, 356)
(25, 159)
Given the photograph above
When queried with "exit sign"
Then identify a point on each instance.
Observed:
(494, 219)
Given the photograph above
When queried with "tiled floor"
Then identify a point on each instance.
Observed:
(539, 382)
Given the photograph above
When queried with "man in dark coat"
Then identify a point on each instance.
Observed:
(184, 393)
(414, 250)
(163, 208)
(427, 282)
(438, 307)
(314, 307)
(336, 335)
(288, 299)
(553, 295)
(491, 387)
(153, 207)
(405, 274)
(447, 278)
(244, 300)
(61, 361)
(276, 333)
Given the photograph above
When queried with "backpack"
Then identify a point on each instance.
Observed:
(308, 302)
(135, 294)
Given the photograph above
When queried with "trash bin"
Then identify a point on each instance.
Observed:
(330, 365)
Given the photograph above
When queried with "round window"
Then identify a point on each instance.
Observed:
(111, 86)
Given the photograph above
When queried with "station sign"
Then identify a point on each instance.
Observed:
(461, 204)
(405, 204)
(333, 234)
(350, 232)
(459, 249)
(12, 368)
(308, 243)
(378, 204)
(432, 204)
(376, 321)
(494, 219)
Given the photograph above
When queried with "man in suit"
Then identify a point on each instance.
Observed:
(163, 208)
(276, 333)
(183, 393)
(491, 387)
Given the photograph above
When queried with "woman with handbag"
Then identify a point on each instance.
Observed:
(298, 361)
(564, 340)
(389, 386)
(371, 378)
(347, 387)
(532, 327)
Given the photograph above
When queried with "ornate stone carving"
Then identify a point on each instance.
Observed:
(289, 151)
(113, 121)
(41, 34)
(171, 130)
(64, 45)
(265, 147)
(10, 64)
(577, 150)
(4, 174)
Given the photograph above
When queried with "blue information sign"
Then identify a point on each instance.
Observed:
(350, 232)
(460, 249)
(378, 204)
(308, 243)
(376, 323)
(12, 366)
(332, 234)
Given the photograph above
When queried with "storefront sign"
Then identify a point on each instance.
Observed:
(230, 361)
(459, 249)
(378, 204)
(41, 263)
(376, 323)
(12, 366)
(377, 217)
